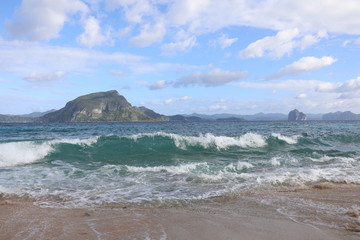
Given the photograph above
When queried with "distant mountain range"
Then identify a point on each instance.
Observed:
(110, 106)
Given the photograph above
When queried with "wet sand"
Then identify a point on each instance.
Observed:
(253, 215)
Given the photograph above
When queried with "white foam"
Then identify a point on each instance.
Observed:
(288, 140)
(16, 153)
(239, 166)
(76, 141)
(181, 169)
(243, 165)
(7, 190)
(208, 140)
(326, 158)
(275, 161)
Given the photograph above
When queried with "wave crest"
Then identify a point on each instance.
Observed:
(17, 153)
(209, 140)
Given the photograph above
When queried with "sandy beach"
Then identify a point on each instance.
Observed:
(249, 216)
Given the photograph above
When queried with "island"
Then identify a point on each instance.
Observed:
(296, 115)
(107, 106)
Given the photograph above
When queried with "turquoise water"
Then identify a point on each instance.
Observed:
(86, 164)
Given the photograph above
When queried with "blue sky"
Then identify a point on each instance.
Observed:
(182, 56)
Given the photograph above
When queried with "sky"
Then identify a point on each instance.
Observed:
(182, 56)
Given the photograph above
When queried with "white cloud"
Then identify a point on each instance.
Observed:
(149, 34)
(21, 58)
(135, 11)
(302, 96)
(276, 46)
(37, 77)
(224, 41)
(215, 77)
(207, 16)
(172, 48)
(42, 19)
(284, 42)
(298, 86)
(177, 100)
(158, 85)
(92, 35)
(24, 57)
(304, 65)
(217, 107)
(326, 86)
(350, 85)
(349, 89)
(306, 15)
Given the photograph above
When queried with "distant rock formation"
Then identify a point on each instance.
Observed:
(341, 116)
(181, 118)
(102, 107)
(14, 118)
(295, 115)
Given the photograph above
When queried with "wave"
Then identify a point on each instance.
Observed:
(288, 140)
(16, 153)
(130, 149)
(209, 140)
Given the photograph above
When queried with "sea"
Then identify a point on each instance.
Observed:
(76, 165)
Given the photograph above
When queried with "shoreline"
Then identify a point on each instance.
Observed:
(267, 214)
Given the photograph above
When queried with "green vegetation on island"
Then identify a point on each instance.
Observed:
(107, 106)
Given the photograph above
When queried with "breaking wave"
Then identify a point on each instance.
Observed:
(115, 148)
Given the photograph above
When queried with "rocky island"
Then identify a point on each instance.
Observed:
(296, 115)
(107, 106)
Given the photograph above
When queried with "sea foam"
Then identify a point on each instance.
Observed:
(288, 140)
(181, 169)
(16, 153)
(209, 140)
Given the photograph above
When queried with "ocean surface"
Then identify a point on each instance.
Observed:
(159, 164)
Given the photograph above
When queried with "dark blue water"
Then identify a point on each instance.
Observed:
(83, 164)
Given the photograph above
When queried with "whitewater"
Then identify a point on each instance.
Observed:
(164, 163)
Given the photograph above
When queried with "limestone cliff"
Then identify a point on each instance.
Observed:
(295, 115)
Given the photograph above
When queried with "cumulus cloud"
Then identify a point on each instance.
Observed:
(158, 85)
(215, 77)
(304, 65)
(135, 11)
(284, 42)
(157, 19)
(37, 77)
(42, 19)
(209, 16)
(92, 35)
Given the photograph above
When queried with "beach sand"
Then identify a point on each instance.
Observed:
(252, 215)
